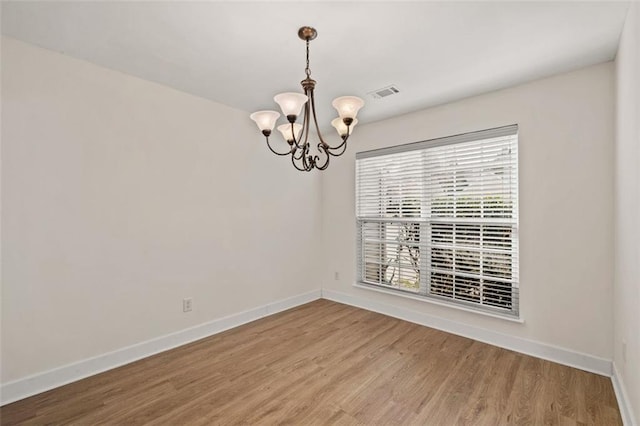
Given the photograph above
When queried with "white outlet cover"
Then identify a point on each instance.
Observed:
(187, 304)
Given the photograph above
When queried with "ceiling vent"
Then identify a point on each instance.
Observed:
(384, 92)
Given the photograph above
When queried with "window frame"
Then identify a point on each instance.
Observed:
(426, 223)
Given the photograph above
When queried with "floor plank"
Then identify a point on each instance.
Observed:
(328, 363)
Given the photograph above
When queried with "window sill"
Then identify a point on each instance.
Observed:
(435, 302)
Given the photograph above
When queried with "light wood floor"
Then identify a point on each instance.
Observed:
(328, 363)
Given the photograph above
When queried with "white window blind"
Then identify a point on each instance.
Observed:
(439, 219)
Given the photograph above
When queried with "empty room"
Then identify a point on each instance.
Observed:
(319, 213)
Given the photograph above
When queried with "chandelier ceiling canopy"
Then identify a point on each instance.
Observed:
(297, 135)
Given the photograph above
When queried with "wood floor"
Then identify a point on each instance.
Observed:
(328, 363)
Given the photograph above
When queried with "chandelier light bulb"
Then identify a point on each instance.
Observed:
(287, 134)
(342, 128)
(265, 120)
(291, 103)
(348, 106)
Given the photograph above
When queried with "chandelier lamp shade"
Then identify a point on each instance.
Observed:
(297, 135)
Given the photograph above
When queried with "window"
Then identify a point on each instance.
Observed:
(439, 219)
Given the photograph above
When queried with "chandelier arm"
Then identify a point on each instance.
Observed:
(296, 141)
(274, 151)
(343, 145)
(302, 160)
(324, 166)
(305, 158)
(293, 134)
(293, 153)
(305, 122)
(324, 150)
(299, 143)
(315, 120)
(311, 160)
(293, 161)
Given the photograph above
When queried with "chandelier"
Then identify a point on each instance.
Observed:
(297, 135)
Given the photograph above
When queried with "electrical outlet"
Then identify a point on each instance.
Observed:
(336, 276)
(624, 351)
(187, 304)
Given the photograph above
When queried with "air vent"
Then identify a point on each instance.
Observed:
(384, 92)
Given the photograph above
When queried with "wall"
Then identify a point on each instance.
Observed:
(121, 197)
(627, 211)
(566, 207)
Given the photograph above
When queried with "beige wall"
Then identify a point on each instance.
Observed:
(566, 204)
(627, 209)
(121, 197)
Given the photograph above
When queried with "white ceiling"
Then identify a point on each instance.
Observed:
(241, 53)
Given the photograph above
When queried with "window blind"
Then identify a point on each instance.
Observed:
(439, 219)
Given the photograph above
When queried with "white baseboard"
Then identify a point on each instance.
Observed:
(540, 350)
(32, 385)
(624, 404)
(41, 382)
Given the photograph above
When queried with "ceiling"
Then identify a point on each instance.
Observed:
(242, 53)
